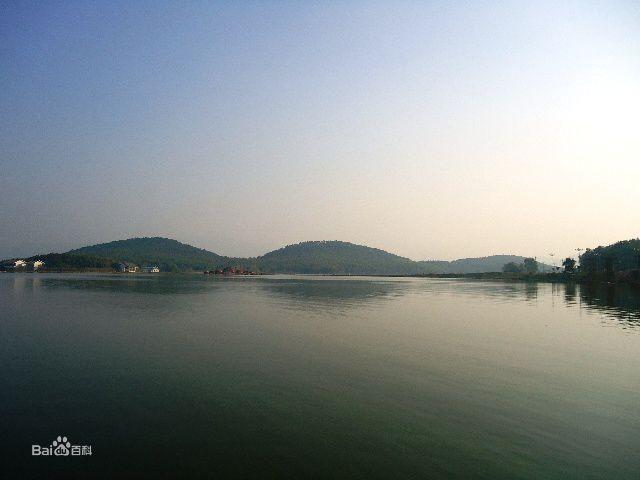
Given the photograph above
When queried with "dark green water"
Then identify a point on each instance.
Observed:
(193, 376)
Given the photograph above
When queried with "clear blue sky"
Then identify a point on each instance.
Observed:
(433, 130)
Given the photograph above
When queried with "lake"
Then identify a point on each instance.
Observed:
(319, 377)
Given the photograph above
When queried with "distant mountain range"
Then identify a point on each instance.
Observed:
(313, 257)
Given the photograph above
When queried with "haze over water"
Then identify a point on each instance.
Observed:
(321, 377)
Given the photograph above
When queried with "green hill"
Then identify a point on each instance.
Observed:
(168, 254)
(333, 257)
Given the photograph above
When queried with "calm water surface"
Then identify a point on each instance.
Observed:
(321, 377)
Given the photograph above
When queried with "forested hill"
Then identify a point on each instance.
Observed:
(168, 254)
(334, 257)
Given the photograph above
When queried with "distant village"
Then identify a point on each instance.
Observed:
(126, 267)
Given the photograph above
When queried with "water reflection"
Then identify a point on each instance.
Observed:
(334, 293)
(618, 302)
(138, 284)
(339, 294)
(570, 293)
(621, 302)
(531, 292)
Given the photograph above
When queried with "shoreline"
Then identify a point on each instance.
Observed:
(487, 276)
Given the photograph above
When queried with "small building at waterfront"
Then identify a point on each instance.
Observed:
(36, 264)
(150, 269)
(126, 267)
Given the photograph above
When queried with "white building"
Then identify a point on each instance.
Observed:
(126, 267)
(150, 269)
(38, 264)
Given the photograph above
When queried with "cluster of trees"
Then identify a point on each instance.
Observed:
(619, 257)
(528, 266)
(569, 264)
(616, 260)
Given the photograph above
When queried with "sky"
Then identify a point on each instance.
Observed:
(434, 130)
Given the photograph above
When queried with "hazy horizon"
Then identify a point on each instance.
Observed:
(429, 130)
